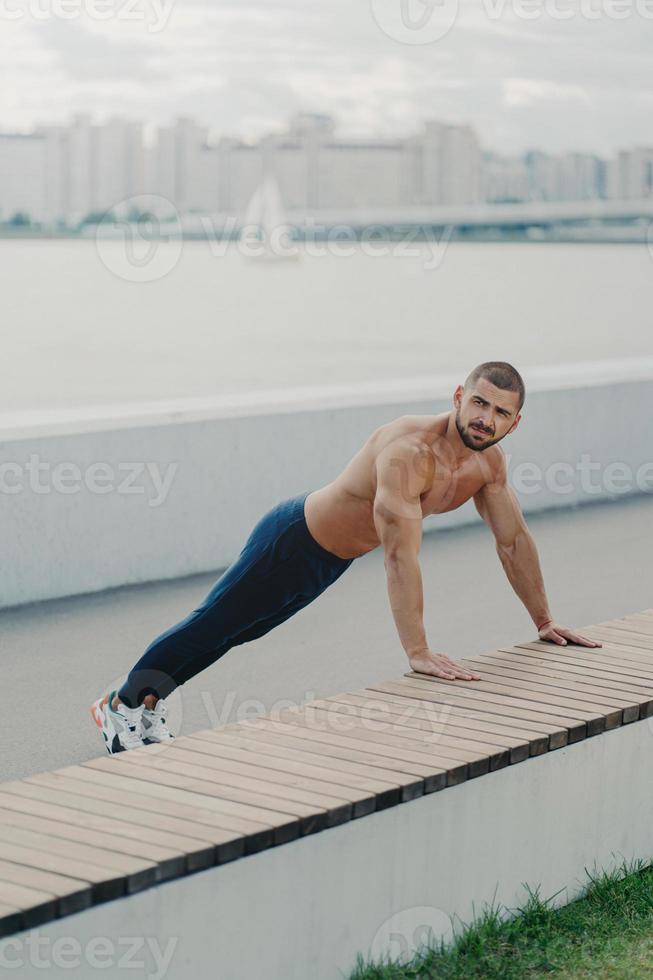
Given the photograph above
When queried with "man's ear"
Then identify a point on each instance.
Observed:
(458, 395)
(514, 424)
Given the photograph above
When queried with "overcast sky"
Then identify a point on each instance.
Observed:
(244, 66)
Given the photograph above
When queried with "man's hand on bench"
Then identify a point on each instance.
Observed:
(561, 635)
(440, 665)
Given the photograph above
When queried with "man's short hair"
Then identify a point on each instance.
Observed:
(502, 375)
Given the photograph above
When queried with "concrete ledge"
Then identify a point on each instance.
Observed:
(122, 495)
(537, 772)
(307, 908)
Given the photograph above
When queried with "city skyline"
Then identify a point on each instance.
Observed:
(63, 174)
(552, 82)
(150, 131)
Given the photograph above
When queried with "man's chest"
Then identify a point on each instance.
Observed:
(452, 487)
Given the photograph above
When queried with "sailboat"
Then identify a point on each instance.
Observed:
(266, 218)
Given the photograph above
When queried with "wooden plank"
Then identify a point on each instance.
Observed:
(72, 895)
(353, 786)
(90, 783)
(471, 725)
(329, 746)
(11, 920)
(626, 636)
(487, 721)
(171, 760)
(351, 748)
(593, 722)
(327, 714)
(417, 762)
(643, 627)
(420, 735)
(562, 694)
(403, 744)
(78, 798)
(171, 864)
(608, 662)
(547, 676)
(36, 906)
(289, 818)
(270, 741)
(137, 873)
(396, 722)
(196, 854)
(598, 717)
(558, 734)
(361, 801)
(122, 776)
(315, 719)
(560, 671)
(611, 670)
(104, 882)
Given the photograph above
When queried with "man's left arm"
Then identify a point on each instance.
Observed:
(497, 504)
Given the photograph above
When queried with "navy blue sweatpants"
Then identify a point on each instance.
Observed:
(279, 571)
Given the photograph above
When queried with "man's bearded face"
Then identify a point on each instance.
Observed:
(485, 415)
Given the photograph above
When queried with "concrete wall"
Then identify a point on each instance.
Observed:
(377, 884)
(134, 493)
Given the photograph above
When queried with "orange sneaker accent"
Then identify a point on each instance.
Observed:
(98, 704)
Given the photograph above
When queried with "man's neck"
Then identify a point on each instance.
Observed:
(447, 441)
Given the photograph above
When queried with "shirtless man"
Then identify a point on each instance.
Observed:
(407, 469)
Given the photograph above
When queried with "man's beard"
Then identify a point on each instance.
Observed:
(467, 439)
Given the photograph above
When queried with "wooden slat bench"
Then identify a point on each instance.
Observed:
(113, 826)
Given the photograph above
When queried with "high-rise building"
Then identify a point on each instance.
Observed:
(505, 179)
(66, 173)
(22, 177)
(630, 174)
(185, 168)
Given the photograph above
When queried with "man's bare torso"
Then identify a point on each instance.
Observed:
(340, 514)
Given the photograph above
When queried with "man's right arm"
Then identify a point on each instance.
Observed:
(404, 470)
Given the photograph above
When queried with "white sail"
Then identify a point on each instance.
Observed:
(265, 213)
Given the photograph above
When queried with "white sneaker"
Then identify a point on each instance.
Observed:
(154, 723)
(122, 727)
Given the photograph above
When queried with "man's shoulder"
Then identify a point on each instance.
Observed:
(415, 428)
(496, 464)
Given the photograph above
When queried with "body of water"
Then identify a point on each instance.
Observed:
(77, 333)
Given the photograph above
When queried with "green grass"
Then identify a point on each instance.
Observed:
(607, 934)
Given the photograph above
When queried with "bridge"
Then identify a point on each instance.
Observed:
(479, 215)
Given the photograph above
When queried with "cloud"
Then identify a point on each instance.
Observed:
(245, 66)
(527, 91)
